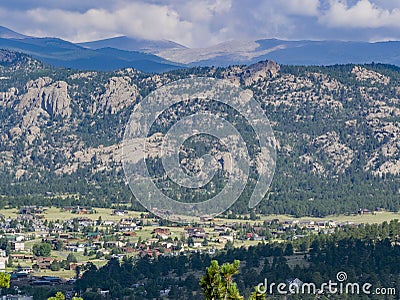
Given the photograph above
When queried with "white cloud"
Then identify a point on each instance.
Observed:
(364, 14)
(136, 19)
(190, 22)
(202, 11)
(301, 7)
(201, 23)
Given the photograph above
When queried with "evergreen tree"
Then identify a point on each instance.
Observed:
(218, 282)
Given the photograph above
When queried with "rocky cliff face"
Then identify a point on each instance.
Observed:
(259, 72)
(7, 96)
(337, 155)
(253, 74)
(45, 99)
(362, 74)
(44, 94)
(120, 93)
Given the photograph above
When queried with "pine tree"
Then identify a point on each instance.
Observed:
(218, 282)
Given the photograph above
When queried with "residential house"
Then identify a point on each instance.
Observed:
(16, 297)
(85, 222)
(127, 224)
(24, 270)
(108, 223)
(119, 212)
(31, 210)
(220, 229)
(130, 233)
(160, 231)
(17, 246)
(206, 218)
(18, 257)
(114, 244)
(364, 211)
(82, 210)
(3, 262)
(195, 232)
(75, 248)
(43, 263)
(73, 266)
(95, 236)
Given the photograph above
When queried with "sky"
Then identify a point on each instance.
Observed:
(201, 23)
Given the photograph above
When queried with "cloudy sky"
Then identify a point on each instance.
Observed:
(199, 23)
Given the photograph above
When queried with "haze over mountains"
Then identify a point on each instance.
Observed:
(163, 55)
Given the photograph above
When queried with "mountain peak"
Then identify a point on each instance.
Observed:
(132, 44)
(7, 33)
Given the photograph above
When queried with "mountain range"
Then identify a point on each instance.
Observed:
(161, 55)
(337, 131)
(57, 52)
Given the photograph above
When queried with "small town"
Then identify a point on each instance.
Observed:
(46, 246)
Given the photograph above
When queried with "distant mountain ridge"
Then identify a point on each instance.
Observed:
(8, 33)
(300, 52)
(57, 52)
(130, 44)
(162, 55)
(287, 52)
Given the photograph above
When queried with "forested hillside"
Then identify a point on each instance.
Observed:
(337, 131)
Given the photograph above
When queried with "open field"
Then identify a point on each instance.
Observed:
(53, 213)
(378, 217)
(67, 274)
